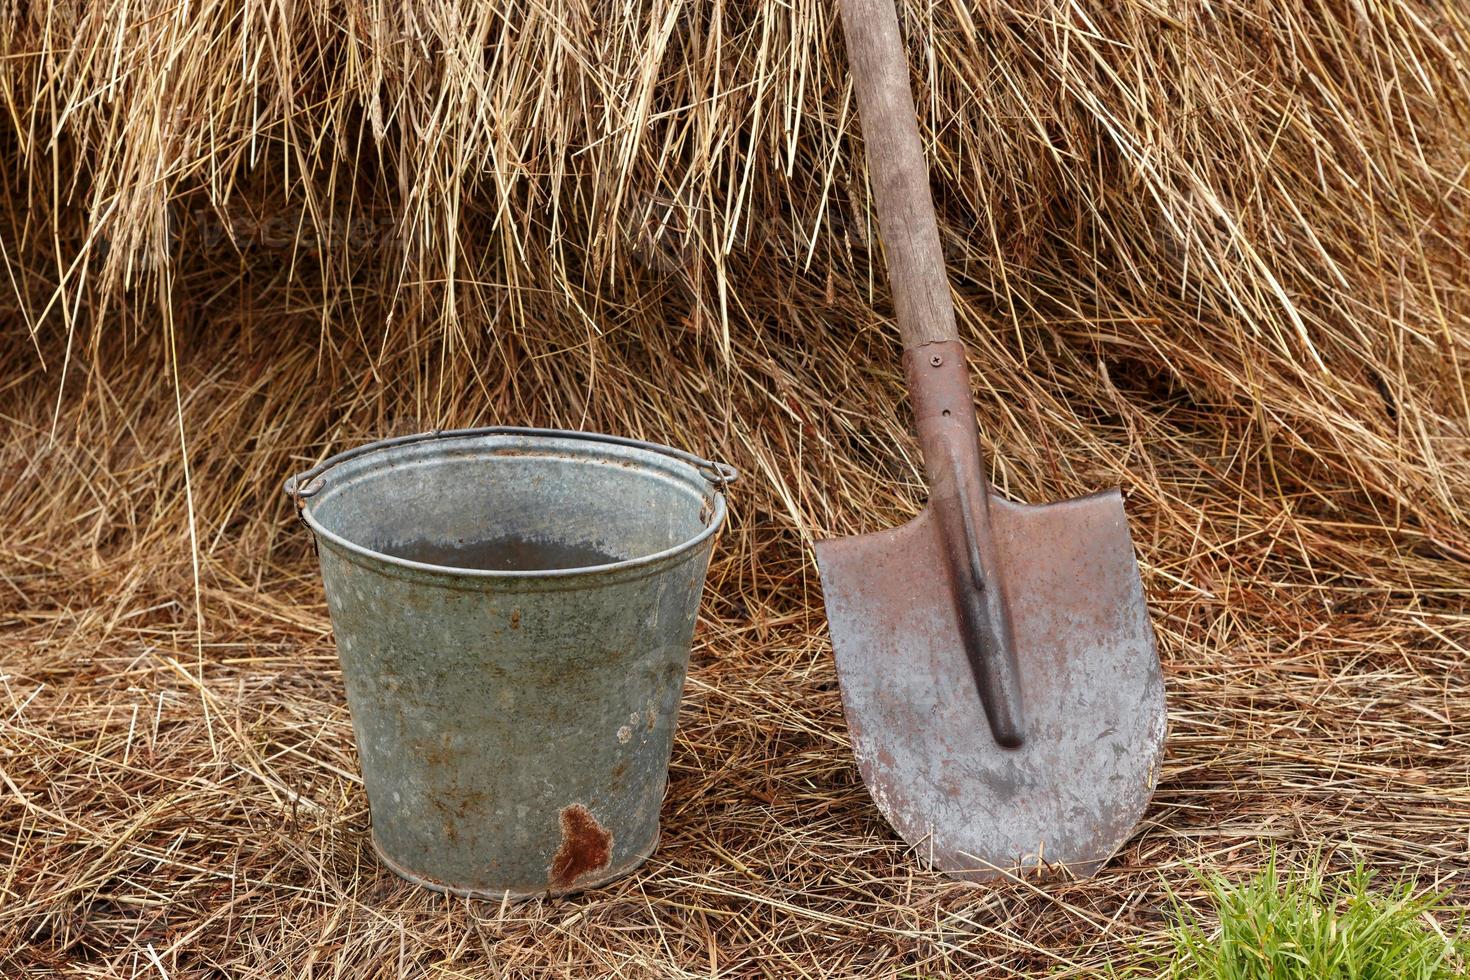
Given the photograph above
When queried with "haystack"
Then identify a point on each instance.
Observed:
(1215, 253)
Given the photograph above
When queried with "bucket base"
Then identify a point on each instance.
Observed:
(510, 894)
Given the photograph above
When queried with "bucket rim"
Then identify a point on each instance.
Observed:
(303, 486)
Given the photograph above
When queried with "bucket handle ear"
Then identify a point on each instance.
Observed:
(305, 485)
(720, 474)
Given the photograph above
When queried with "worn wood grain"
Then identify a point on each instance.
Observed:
(899, 173)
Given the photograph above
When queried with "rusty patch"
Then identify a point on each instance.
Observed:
(515, 619)
(585, 847)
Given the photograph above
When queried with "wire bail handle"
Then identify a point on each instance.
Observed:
(304, 486)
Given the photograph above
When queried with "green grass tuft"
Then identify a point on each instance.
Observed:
(1305, 925)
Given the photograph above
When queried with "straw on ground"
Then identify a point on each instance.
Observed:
(1214, 253)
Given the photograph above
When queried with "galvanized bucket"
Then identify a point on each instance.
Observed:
(514, 719)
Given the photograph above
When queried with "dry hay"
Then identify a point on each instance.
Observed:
(1215, 253)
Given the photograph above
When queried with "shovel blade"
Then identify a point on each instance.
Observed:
(1073, 792)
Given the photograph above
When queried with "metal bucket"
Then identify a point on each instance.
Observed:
(514, 722)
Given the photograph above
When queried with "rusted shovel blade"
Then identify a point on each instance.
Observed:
(1072, 793)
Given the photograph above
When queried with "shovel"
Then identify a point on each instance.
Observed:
(996, 661)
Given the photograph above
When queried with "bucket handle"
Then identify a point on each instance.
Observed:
(305, 485)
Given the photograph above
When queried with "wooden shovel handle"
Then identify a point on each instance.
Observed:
(880, 76)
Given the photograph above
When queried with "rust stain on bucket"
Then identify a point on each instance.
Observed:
(585, 846)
